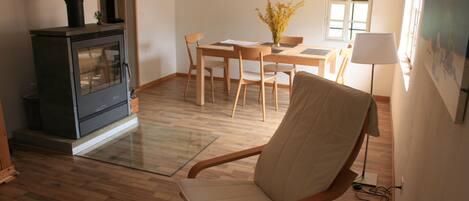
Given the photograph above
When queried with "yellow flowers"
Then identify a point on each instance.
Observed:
(277, 16)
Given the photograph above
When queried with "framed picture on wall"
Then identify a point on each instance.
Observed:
(444, 37)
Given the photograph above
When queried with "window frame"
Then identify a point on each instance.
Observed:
(410, 30)
(347, 27)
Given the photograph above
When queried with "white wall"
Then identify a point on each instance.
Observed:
(53, 13)
(156, 27)
(17, 17)
(223, 19)
(16, 69)
(431, 152)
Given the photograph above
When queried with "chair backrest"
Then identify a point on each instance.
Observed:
(345, 54)
(192, 39)
(319, 136)
(252, 53)
(291, 40)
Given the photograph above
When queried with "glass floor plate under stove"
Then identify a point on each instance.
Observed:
(153, 148)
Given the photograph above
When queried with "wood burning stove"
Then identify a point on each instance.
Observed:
(82, 78)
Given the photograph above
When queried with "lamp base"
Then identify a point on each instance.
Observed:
(370, 179)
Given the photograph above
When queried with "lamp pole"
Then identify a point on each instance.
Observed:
(367, 135)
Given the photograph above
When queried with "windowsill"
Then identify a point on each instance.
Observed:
(337, 40)
(406, 68)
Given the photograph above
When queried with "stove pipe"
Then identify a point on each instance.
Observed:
(75, 13)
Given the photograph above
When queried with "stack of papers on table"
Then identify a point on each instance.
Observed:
(239, 42)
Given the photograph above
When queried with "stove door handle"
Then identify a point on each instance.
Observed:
(129, 71)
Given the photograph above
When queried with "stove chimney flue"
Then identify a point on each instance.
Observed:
(75, 13)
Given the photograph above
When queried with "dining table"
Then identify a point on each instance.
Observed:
(305, 55)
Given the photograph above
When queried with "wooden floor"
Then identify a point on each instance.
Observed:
(50, 176)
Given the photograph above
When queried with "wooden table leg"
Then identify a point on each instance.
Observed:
(227, 76)
(200, 98)
(322, 67)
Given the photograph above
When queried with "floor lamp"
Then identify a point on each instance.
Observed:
(373, 48)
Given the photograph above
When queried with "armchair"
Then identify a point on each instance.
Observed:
(310, 155)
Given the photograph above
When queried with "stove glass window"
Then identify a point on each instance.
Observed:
(100, 67)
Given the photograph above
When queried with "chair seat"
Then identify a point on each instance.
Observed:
(221, 190)
(255, 76)
(278, 68)
(214, 64)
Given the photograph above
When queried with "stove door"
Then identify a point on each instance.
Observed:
(100, 77)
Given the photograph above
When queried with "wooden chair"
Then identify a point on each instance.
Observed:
(254, 78)
(210, 66)
(310, 155)
(290, 70)
(345, 53)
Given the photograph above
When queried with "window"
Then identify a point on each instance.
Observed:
(346, 18)
(410, 27)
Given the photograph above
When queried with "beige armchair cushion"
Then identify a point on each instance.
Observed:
(315, 138)
(221, 190)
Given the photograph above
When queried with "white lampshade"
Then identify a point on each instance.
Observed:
(374, 48)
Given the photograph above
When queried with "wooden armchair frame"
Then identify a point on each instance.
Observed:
(338, 187)
(7, 169)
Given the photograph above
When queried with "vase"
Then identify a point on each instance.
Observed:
(276, 39)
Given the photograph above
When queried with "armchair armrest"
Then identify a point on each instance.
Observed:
(337, 188)
(224, 159)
